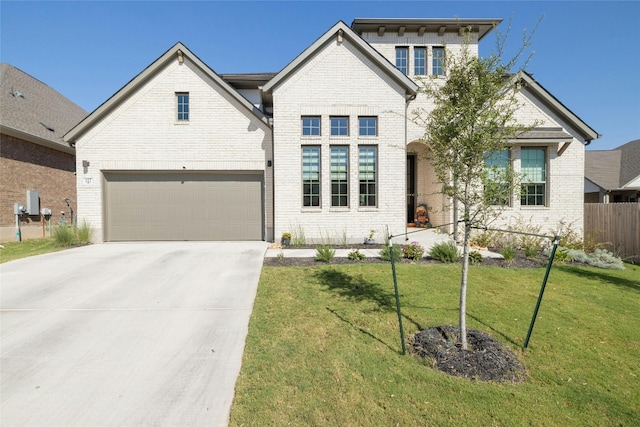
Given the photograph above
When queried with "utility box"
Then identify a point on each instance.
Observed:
(18, 209)
(33, 202)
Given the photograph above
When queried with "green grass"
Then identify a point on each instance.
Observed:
(323, 348)
(27, 248)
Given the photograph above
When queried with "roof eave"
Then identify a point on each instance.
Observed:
(17, 133)
(585, 131)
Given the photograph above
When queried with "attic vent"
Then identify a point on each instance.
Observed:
(47, 126)
(17, 94)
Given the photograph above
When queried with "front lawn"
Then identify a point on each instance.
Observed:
(324, 348)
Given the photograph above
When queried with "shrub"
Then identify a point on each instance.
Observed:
(600, 258)
(531, 252)
(444, 252)
(485, 239)
(356, 255)
(325, 253)
(413, 251)
(475, 257)
(385, 253)
(84, 233)
(64, 235)
(508, 253)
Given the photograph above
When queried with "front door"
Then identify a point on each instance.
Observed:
(411, 187)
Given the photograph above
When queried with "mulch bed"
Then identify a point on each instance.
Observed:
(485, 359)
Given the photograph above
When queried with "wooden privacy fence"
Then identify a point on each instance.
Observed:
(617, 225)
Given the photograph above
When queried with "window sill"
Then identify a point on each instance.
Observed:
(368, 209)
(340, 209)
(311, 210)
(181, 122)
(534, 208)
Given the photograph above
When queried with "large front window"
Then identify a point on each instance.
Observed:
(311, 176)
(367, 168)
(534, 177)
(339, 176)
(498, 175)
(402, 58)
(437, 62)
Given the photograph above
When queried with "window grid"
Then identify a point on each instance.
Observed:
(182, 100)
(339, 176)
(367, 175)
(368, 126)
(339, 126)
(311, 176)
(420, 61)
(437, 61)
(311, 126)
(497, 167)
(533, 170)
(402, 57)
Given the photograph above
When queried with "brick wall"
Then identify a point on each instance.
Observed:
(323, 87)
(28, 166)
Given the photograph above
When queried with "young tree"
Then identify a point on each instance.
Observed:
(469, 128)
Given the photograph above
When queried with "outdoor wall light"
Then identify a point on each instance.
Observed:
(85, 163)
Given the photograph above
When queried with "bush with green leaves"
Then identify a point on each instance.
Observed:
(356, 255)
(413, 251)
(508, 253)
(84, 233)
(475, 257)
(385, 253)
(325, 253)
(445, 252)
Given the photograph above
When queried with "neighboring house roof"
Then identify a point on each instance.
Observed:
(341, 29)
(176, 52)
(482, 26)
(32, 111)
(551, 102)
(614, 169)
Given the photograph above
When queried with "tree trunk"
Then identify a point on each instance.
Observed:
(463, 282)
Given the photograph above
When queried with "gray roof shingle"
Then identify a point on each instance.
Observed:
(29, 106)
(612, 169)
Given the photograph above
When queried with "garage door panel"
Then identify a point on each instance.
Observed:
(183, 206)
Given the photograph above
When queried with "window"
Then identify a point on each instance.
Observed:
(534, 177)
(367, 175)
(437, 61)
(496, 187)
(402, 55)
(339, 176)
(368, 126)
(182, 100)
(310, 176)
(420, 61)
(339, 126)
(311, 126)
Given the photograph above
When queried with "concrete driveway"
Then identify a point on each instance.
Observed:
(125, 334)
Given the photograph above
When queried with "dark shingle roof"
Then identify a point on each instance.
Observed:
(31, 107)
(612, 169)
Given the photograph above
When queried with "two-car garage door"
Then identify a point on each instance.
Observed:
(142, 206)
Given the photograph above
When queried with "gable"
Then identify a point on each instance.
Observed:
(338, 35)
(177, 55)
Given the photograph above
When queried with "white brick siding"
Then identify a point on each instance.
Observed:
(142, 134)
(324, 87)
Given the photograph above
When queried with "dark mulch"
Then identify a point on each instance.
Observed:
(485, 359)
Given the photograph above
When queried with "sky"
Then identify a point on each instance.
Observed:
(586, 53)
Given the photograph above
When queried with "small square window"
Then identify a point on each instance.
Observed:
(339, 126)
(368, 126)
(182, 100)
(311, 126)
